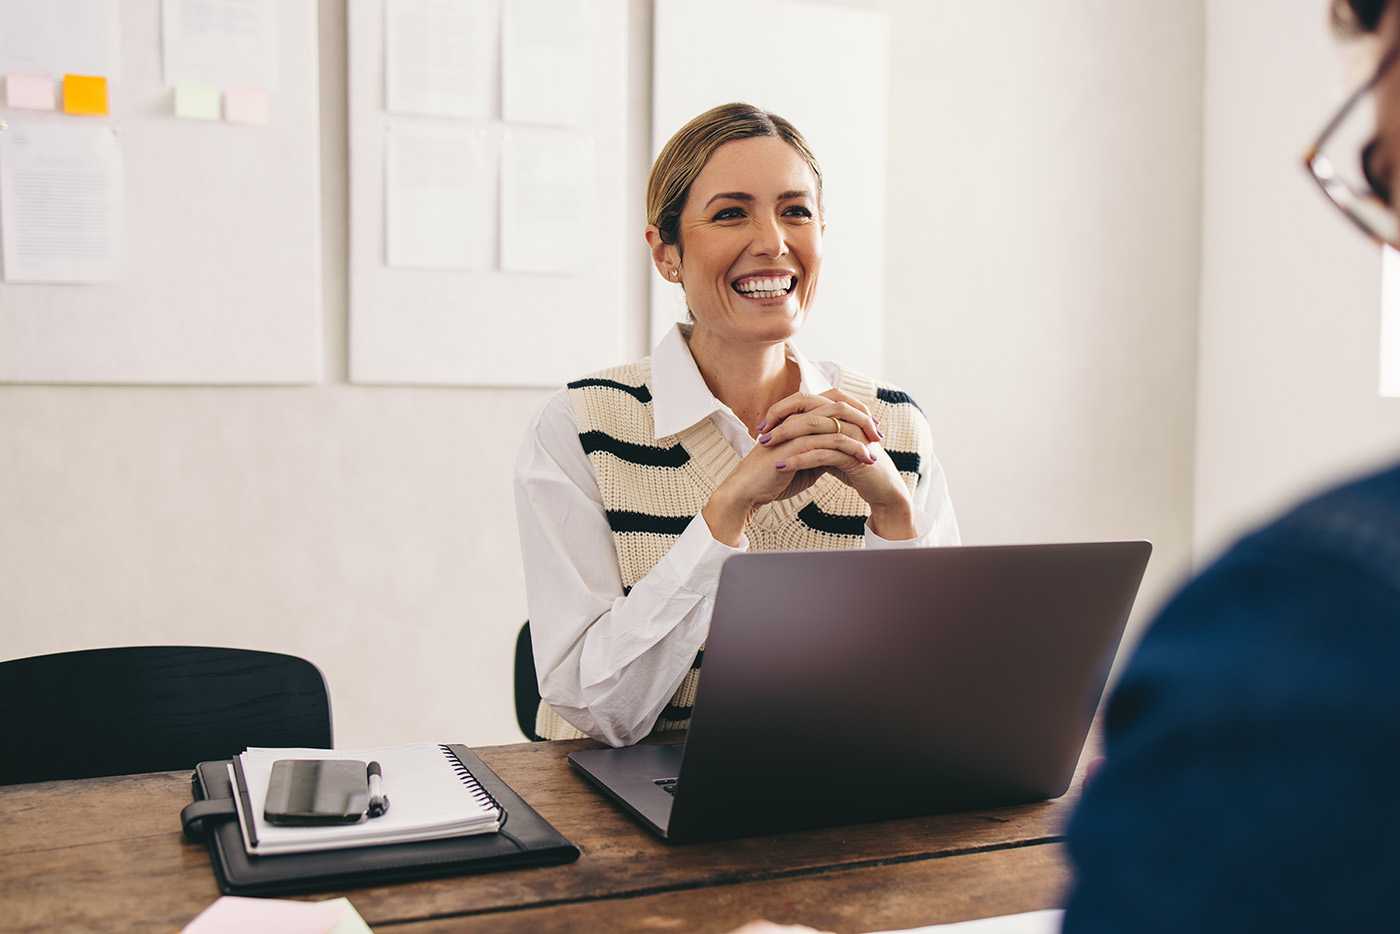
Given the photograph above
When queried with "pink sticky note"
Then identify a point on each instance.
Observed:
(234, 915)
(246, 105)
(32, 92)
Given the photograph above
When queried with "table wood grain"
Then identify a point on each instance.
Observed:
(885, 897)
(107, 854)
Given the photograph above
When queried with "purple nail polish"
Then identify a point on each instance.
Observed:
(879, 431)
(763, 424)
(764, 439)
(780, 464)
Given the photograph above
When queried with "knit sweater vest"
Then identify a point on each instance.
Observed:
(653, 487)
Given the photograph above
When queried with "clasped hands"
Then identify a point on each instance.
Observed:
(801, 438)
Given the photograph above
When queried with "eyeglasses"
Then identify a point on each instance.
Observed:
(1345, 162)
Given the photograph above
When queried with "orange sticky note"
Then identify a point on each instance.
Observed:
(85, 95)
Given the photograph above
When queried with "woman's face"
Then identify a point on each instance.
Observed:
(751, 241)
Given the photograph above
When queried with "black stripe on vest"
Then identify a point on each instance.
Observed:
(648, 454)
(904, 461)
(673, 712)
(621, 520)
(895, 397)
(814, 518)
(641, 393)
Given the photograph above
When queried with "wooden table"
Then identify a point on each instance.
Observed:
(107, 853)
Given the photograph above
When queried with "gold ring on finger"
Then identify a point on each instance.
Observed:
(835, 424)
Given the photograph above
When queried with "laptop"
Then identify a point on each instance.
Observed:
(842, 687)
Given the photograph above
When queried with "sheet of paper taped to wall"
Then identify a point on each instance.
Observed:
(439, 197)
(440, 57)
(61, 203)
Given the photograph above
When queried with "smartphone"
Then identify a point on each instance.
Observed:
(317, 791)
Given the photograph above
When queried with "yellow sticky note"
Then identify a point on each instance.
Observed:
(85, 95)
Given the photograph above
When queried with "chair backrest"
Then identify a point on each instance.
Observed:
(153, 709)
(527, 685)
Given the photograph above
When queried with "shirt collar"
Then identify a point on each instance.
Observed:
(679, 395)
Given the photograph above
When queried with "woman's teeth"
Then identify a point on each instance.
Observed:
(766, 287)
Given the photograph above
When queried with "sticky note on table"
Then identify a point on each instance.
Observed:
(85, 95)
(196, 101)
(31, 92)
(234, 915)
(246, 105)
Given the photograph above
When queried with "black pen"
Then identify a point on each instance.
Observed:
(378, 800)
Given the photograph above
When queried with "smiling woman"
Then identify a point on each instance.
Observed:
(635, 484)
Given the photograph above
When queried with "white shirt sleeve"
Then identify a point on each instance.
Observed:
(607, 662)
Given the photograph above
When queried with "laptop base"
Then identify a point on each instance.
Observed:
(630, 776)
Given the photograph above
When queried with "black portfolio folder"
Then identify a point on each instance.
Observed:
(526, 839)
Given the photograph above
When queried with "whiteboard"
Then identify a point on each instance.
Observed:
(487, 326)
(220, 281)
(828, 74)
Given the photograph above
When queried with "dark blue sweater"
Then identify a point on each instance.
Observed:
(1252, 778)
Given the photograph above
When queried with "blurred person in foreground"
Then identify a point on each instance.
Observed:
(1252, 772)
(1250, 781)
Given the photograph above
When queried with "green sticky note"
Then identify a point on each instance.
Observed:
(196, 101)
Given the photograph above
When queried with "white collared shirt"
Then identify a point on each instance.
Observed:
(614, 688)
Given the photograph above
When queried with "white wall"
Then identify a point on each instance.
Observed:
(1042, 237)
(1044, 192)
(1290, 293)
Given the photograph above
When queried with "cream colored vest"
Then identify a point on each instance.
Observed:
(653, 487)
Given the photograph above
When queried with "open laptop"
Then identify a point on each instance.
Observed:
(841, 687)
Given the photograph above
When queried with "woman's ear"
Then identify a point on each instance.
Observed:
(665, 256)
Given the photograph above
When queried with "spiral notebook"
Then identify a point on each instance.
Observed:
(525, 838)
(432, 795)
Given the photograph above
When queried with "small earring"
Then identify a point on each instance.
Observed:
(675, 274)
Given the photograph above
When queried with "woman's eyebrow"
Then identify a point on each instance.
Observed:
(735, 195)
(745, 196)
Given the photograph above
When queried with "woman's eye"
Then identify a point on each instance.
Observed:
(729, 214)
(798, 212)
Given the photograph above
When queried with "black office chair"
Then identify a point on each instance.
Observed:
(527, 685)
(153, 709)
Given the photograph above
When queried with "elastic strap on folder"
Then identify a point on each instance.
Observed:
(195, 818)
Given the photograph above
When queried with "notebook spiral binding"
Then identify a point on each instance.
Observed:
(465, 776)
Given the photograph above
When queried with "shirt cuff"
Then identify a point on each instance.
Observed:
(923, 531)
(697, 556)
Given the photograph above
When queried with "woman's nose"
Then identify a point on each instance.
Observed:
(768, 240)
